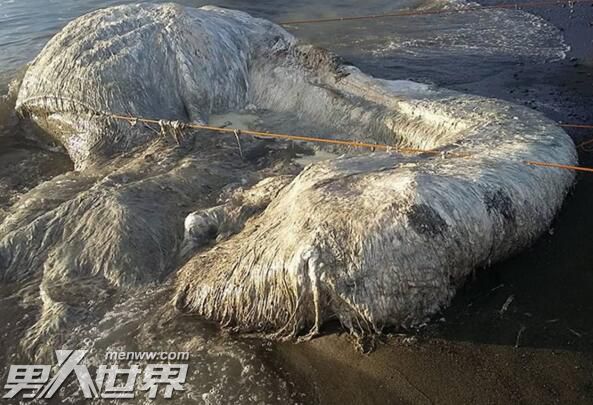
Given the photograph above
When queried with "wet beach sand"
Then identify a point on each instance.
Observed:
(521, 331)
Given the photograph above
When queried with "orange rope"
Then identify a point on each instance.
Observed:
(342, 142)
(560, 166)
(586, 126)
(534, 4)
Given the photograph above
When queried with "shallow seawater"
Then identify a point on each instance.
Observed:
(509, 35)
(438, 49)
(235, 120)
(318, 156)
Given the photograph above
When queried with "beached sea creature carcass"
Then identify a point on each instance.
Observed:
(369, 239)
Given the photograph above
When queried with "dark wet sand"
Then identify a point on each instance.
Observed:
(540, 350)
